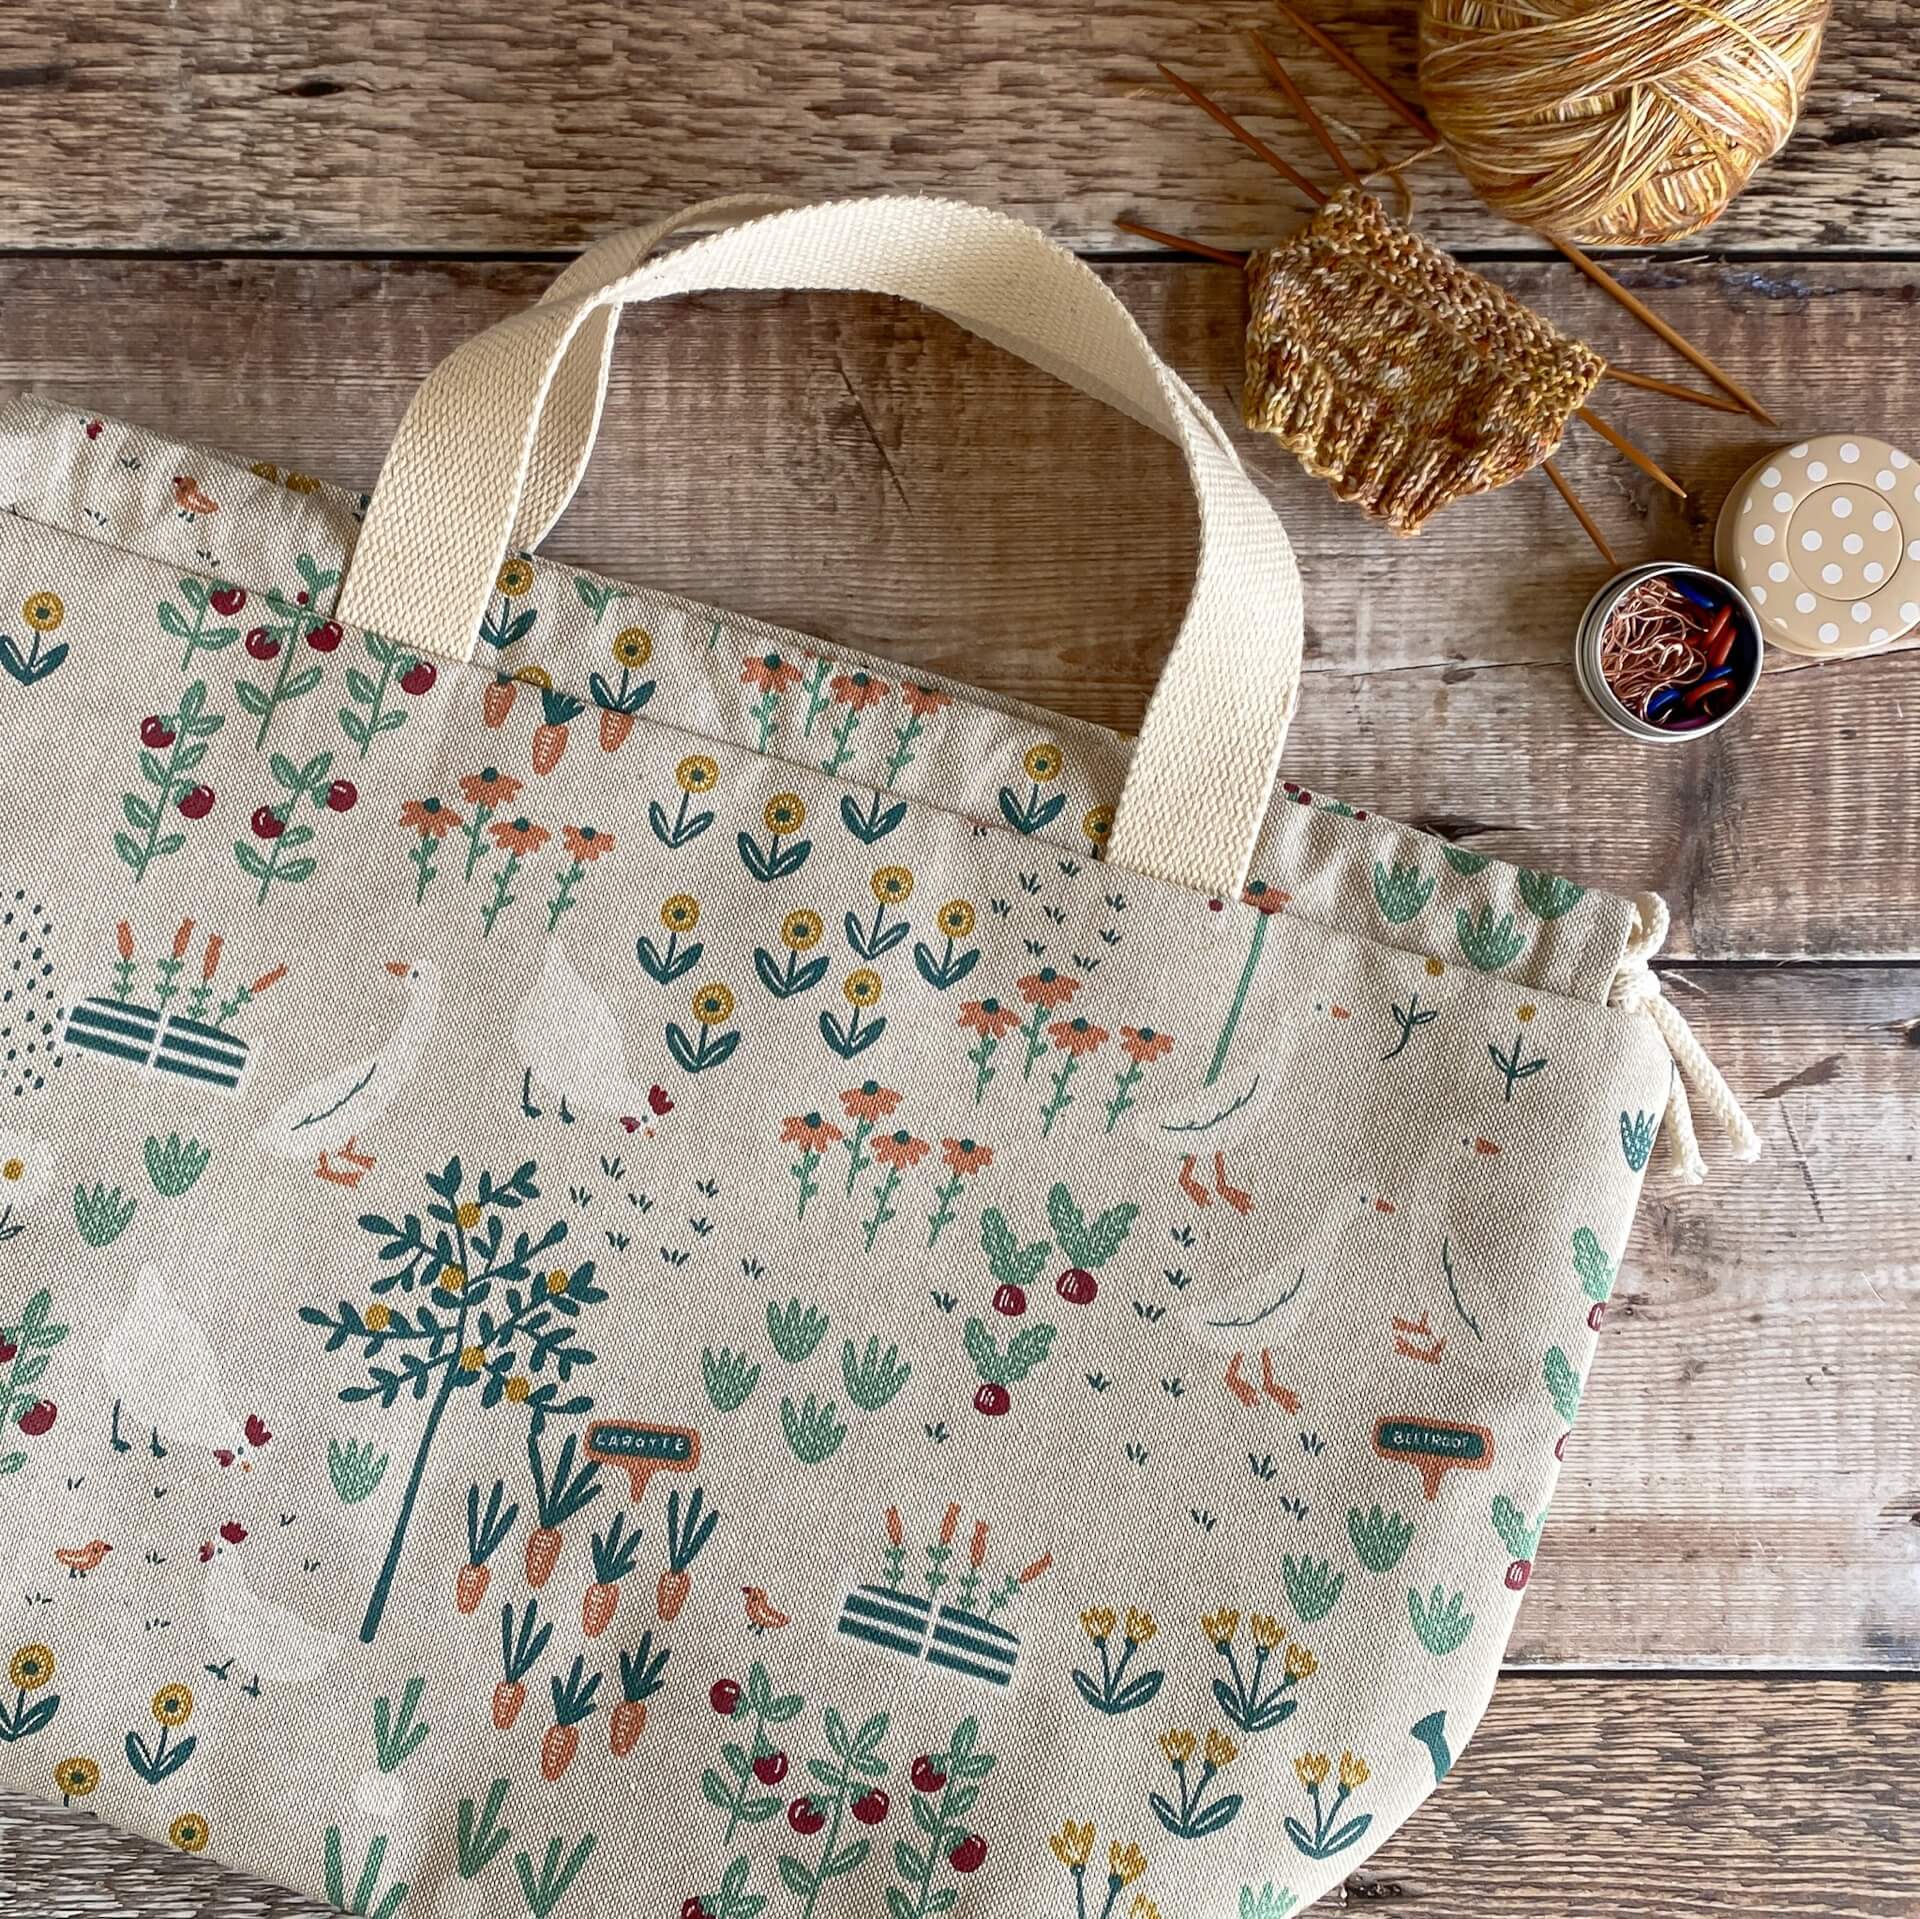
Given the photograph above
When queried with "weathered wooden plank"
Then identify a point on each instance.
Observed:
(1586, 1798)
(440, 125)
(1743, 1484)
(868, 473)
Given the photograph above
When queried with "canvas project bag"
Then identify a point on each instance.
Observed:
(646, 1266)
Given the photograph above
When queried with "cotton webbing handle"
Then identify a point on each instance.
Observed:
(456, 481)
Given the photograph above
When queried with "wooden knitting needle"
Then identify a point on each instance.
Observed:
(1179, 245)
(1414, 118)
(1419, 122)
(1580, 513)
(1282, 79)
(1692, 395)
(1622, 444)
(1653, 322)
(1250, 140)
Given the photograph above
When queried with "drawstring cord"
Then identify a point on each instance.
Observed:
(1636, 989)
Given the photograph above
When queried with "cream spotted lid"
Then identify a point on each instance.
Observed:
(1824, 538)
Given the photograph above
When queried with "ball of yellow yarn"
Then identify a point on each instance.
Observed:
(1618, 122)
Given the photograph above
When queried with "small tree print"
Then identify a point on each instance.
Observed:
(481, 1312)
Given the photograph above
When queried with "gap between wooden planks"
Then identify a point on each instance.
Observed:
(445, 124)
(1577, 1799)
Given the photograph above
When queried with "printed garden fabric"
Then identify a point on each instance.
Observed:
(631, 1280)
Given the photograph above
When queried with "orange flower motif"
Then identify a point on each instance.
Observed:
(489, 788)
(431, 819)
(518, 837)
(922, 701)
(1268, 899)
(965, 1158)
(1142, 1043)
(586, 843)
(1078, 1036)
(989, 1018)
(859, 690)
(898, 1150)
(870, 1101)
(810, 1133)
(769, 672)
(1049, 989)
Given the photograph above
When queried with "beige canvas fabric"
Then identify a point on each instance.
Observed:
(637, 1274)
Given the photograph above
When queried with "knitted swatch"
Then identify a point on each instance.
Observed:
(1397, 375)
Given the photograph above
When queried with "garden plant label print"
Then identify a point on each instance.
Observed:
(633, 1279)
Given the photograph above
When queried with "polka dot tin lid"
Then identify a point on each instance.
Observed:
(1824, 538)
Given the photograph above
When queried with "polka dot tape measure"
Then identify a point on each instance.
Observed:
(1823, 537)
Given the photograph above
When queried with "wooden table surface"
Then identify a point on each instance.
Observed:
(259, 222)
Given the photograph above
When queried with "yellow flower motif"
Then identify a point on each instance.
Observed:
(189, 1832)
(30, 1668)
(1142, 1908)
(1073, 1844)
(892, 885)
(1267, 1632)
(516, 577)
(785, 813)
(557, 1280)
(264, 469)
(1042, 763)
(1311, 1769)
(1098, 1622)
(451, 1279)
(1141, 1626)
(1353, 1771)
(1525, 1014)
(472, 1358)
(862, 988)
(1220, 1750)
(301, 483)
(1178, 1746)
(518, 1387)
(713, 1005)
(378, 1317)
(696, 774)
(44, 611)
(75, 1778)
(468, 1215)
(1098, 825)
(681, 914)
(801, 929)
(173, 1706)
(632, 646)
(1435, 968)
(1301, 1664)
(13, 1170)
(1220, 1626)
(535, 676)
(1125, 1863)
(956, 919)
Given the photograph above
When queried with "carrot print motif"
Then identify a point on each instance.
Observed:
(573, 1703)
(556, 1500)
(521, 1645)
(614, 1552)
(688, 1530)
(486, 1533)
(641, 1676)
(550, 736)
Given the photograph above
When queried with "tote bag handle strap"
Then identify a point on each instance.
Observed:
(455, 481)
